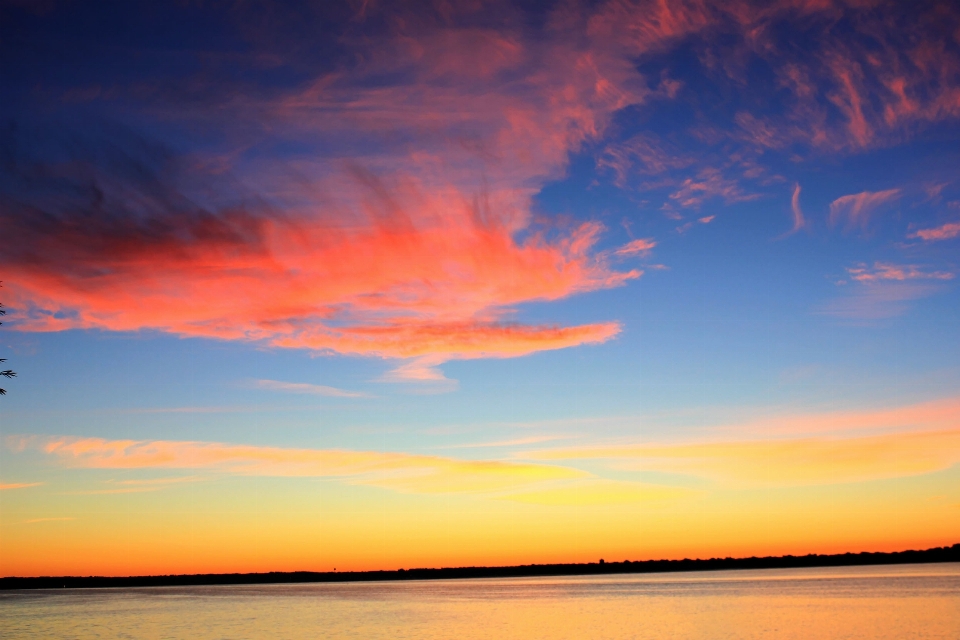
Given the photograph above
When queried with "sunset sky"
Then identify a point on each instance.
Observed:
(370, 284)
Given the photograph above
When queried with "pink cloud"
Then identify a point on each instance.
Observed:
(799, 222)
(709, 183)
(642, 154)
(884, 290)
(434, 281)
(855, 210)
(849, 100)
(409, 234)
(401, 251)
(887, 271)
(307, 388)
(638, 247)
(943, 232)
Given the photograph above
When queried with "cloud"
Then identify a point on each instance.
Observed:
(18, 485)
(709, 183)
(809, 461)
(403, 229)
(404, 273)
(147, 482)
(878, 299)
(945, 231)
(798, 449)
(638, 247)
(39, 520)
(533, 483)
(799, 222)
(855, 210)
(900, 272)
(396, 471)
(883, 290)
(306, 388)
(935, 415)
(644, 154)
(381, 206)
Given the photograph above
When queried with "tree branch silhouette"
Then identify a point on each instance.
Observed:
(9, 373)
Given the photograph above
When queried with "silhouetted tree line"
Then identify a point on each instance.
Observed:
(937, 554)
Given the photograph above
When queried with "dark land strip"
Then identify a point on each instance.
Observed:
(937, 554)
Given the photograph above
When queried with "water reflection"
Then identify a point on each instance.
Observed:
(862, 603)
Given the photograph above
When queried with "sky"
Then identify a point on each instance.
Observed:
(373, 285)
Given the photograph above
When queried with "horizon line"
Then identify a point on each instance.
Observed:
(812, 560)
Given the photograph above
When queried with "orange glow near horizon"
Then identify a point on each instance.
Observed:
(359, 510)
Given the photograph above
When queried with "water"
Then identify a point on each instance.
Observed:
(850, 603)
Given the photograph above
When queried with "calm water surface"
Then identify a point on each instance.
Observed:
(862, 603)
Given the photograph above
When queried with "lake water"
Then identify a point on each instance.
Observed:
(863, 603)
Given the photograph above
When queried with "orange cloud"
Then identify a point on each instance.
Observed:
(943, 232)
(18, 485)
(397, 471)
(38, 520)
(855, 209)
(805, 461)
(409, 473)
(848, 447)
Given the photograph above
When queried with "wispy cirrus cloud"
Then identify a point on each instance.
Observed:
(888, 271)
(397, 471)
(884, 290)
(807, 461)
(800, 449)
(790, 448)
(877, 300)
(638, 247)
(4, 486)
(39, 520)
(855, 210)
(709, 183)
(643, 154)
(529, 482)
(307, 388)
(799, 222)
(847, 82)
(946, 231)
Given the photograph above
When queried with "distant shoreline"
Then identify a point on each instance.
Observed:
(935, 555)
